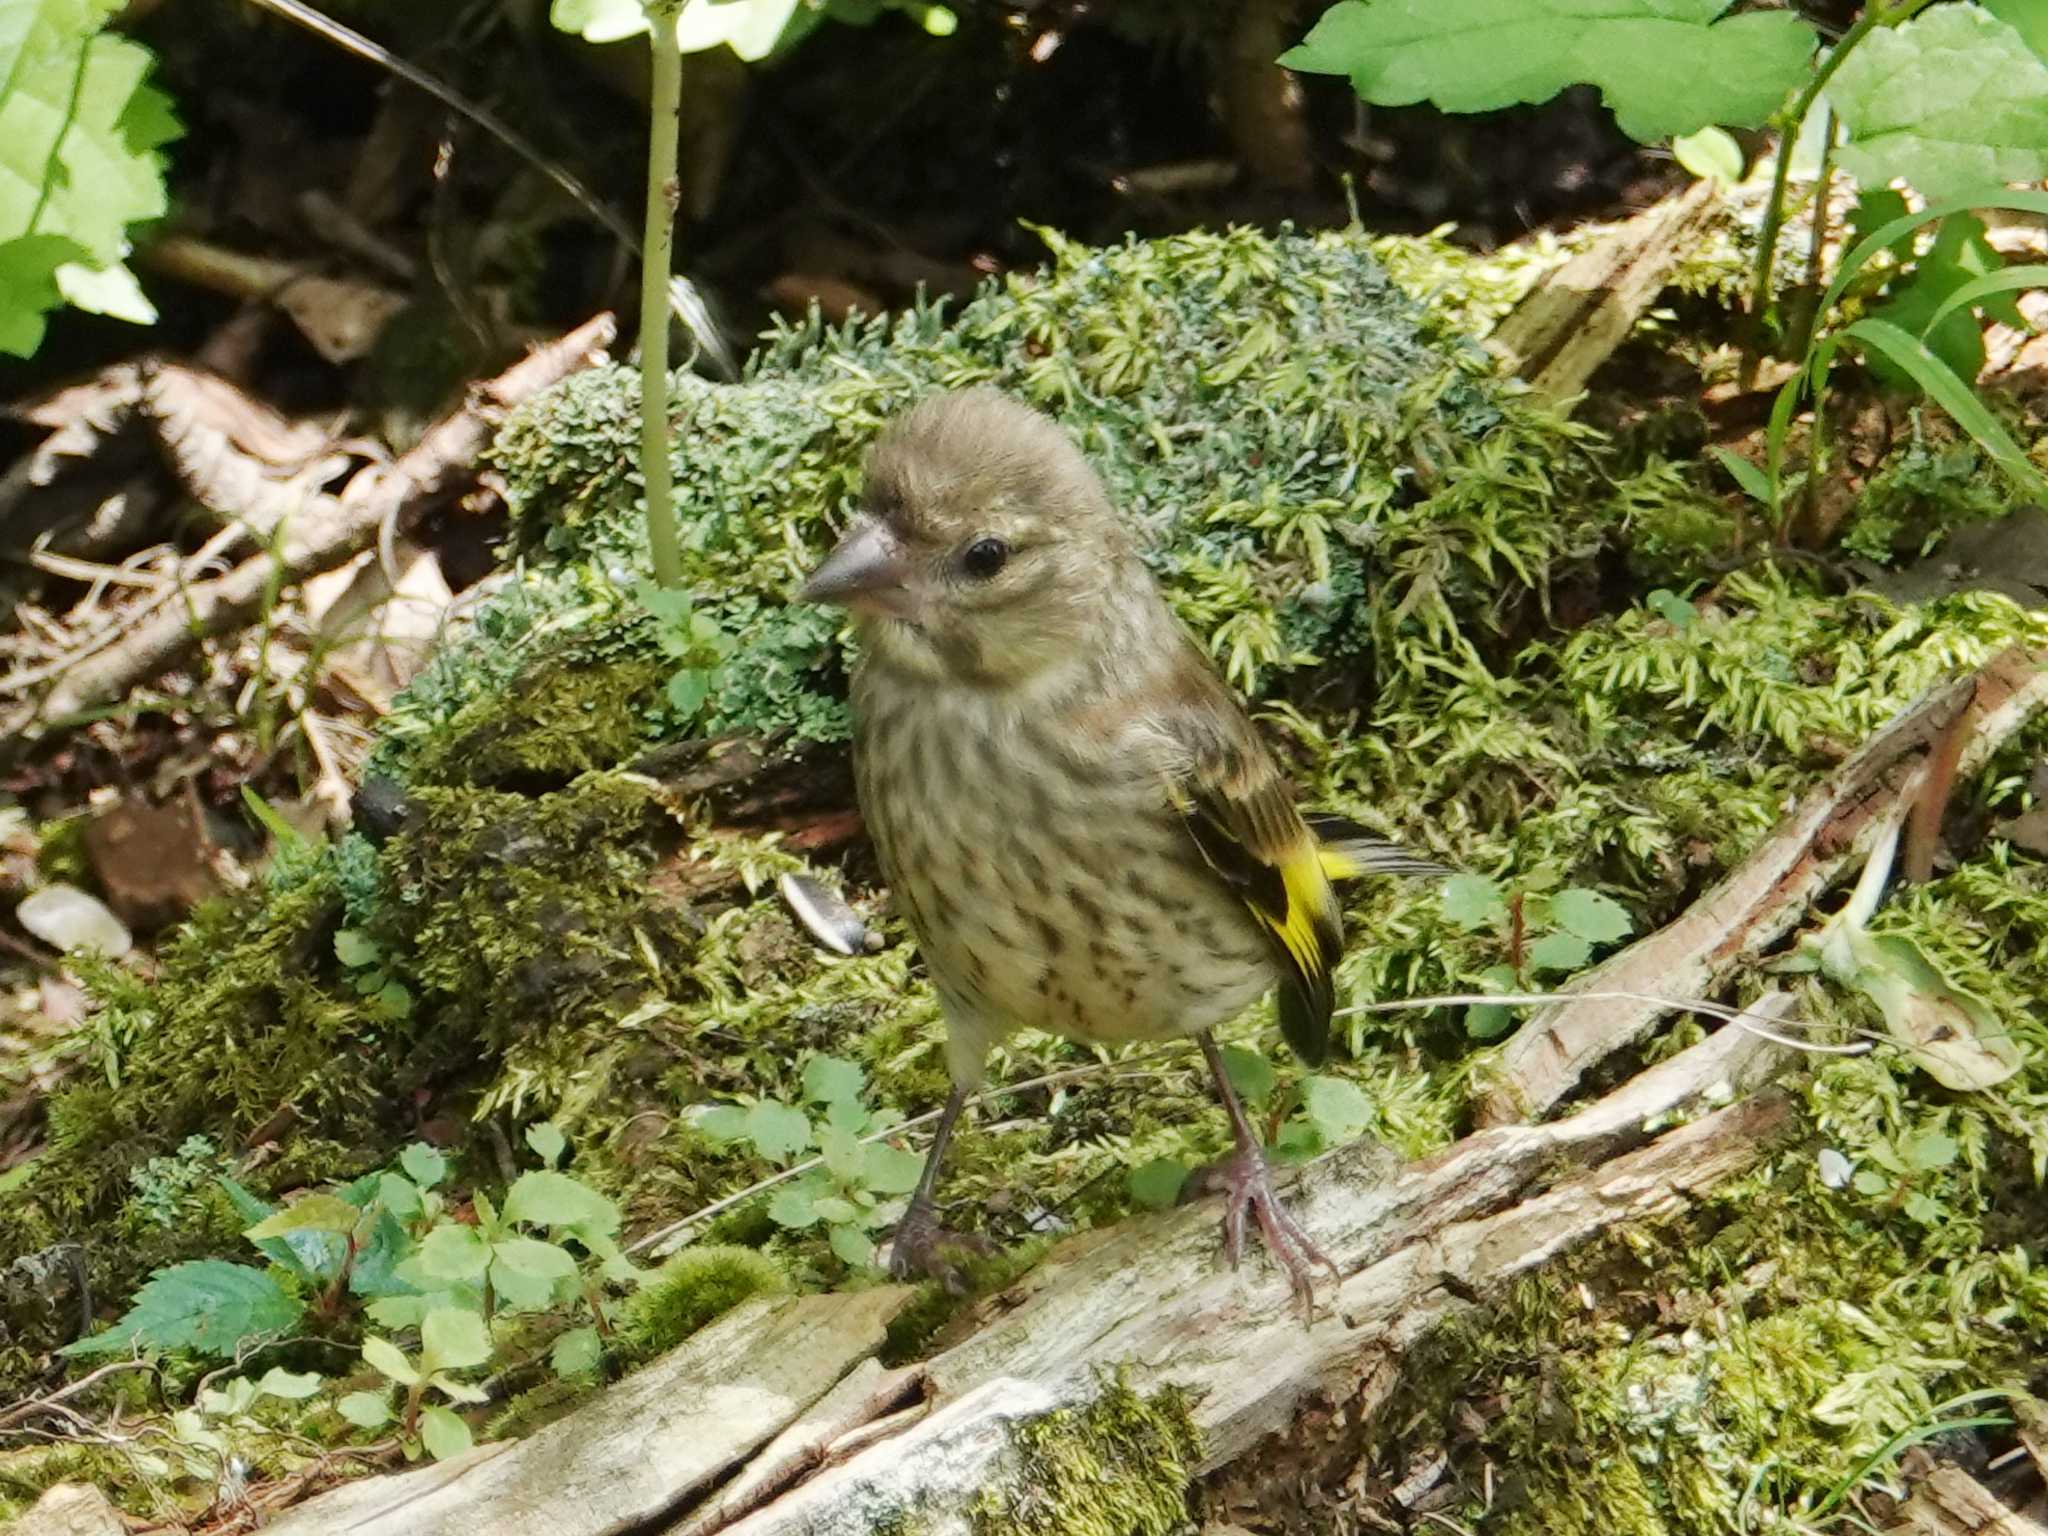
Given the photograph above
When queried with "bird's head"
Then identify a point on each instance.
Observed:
(986, 549)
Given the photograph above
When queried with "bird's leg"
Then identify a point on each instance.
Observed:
(1245, 1180)
(918, 1247)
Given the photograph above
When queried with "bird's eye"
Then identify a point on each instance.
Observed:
(984, 557)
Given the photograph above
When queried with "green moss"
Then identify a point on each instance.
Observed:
(695, 1287)
(918, 1324)
(1120, 1466)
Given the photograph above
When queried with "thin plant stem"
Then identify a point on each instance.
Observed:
(1874, 16)
(664, 194)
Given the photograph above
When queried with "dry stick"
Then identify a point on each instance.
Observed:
(330, 531)
(1761, 899)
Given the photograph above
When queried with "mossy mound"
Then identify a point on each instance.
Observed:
(1437, 592)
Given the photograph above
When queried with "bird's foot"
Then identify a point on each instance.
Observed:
(921, 1249)
(1245, 1180)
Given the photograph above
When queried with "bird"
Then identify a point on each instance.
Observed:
(1072, 808)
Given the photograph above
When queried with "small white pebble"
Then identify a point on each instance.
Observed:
(1834, 1168)
(67, 918)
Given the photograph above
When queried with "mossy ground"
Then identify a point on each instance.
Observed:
(1434, 589)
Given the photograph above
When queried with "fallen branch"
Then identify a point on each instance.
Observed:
(326, 532)
(1764, 896)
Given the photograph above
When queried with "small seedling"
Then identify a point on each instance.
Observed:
(1544, 932)
(370, 975)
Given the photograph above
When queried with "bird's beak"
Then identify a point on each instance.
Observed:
(867, 573)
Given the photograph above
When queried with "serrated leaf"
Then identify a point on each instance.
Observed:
(29, 265)
(831, 1080)
(792, 1207)
(835, 1209)
(855, 1248)
(315, 1213)
(547, 1142)
(687, 691)
(207, 1306)
(2029, 18)
(1596, 918)
(1930, 1150)
(1471, 901)
(453, 1339)
(1249, 1073)
(443, 1433)
(891, 1170)
(545, 1198)
(386, 1357)
(355, 949)
(1558, 952)
(365, 1410)
(1666, 67)
(399, 1195)
(1155, 1185)
(777, 1131)
(423, 1164)
(577, 1352)
(1950, 101)
(453, 1251)
(1339, 1108)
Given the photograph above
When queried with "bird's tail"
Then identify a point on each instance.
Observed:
(1350, 852)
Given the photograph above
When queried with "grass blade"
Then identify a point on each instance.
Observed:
(2005, 280)
(1953, 395)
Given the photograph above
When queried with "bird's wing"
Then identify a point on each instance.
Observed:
(1239, 809)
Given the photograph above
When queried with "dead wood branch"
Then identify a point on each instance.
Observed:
(1764, 896)
(1953, 1503)
(326, 532)
(1150, 1297)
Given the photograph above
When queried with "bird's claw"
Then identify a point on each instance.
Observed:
(921, 1249)
(1245, 1180)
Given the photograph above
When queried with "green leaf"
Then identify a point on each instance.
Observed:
(1711, 154)
(830, 1080)
(1869, 1181)
(545, 1198)
(1951, 100)
(79, 133)
(386, 1357)
(453, 1251)
(1249, 1073)
(1754, 482)
(457, 1391)
(394, 1000)
(750, 28)
(836, 1210)
(400, 1196)
(855, 1248)
(1929, 1150)
(2029, 18)
(1666, 67)
(355, 949)
(443, 1433)
(1960, 257)
(792, 1207)
(291, 1386)
(577, 1352)
(1923, 1209)
(891, 1170)
(687, 691)
(1337, 1107)
(452, 1339)
(845, 1157)
(1951, 1035)
(778, 1132)
(207, 1306)
(1592, 916)
(1157, 1184)
(1471, 901)
(1672, 609)
(1558, 952)
(1952, 395)
(315, 1213)
(2019, 279)
(424, 1165)
(1489, 1021)
(727, 1122)
(547, 1142)
(365, 1410)
(531, 1256)
(379, 1254)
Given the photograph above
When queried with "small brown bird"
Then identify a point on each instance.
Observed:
(1076, 815)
